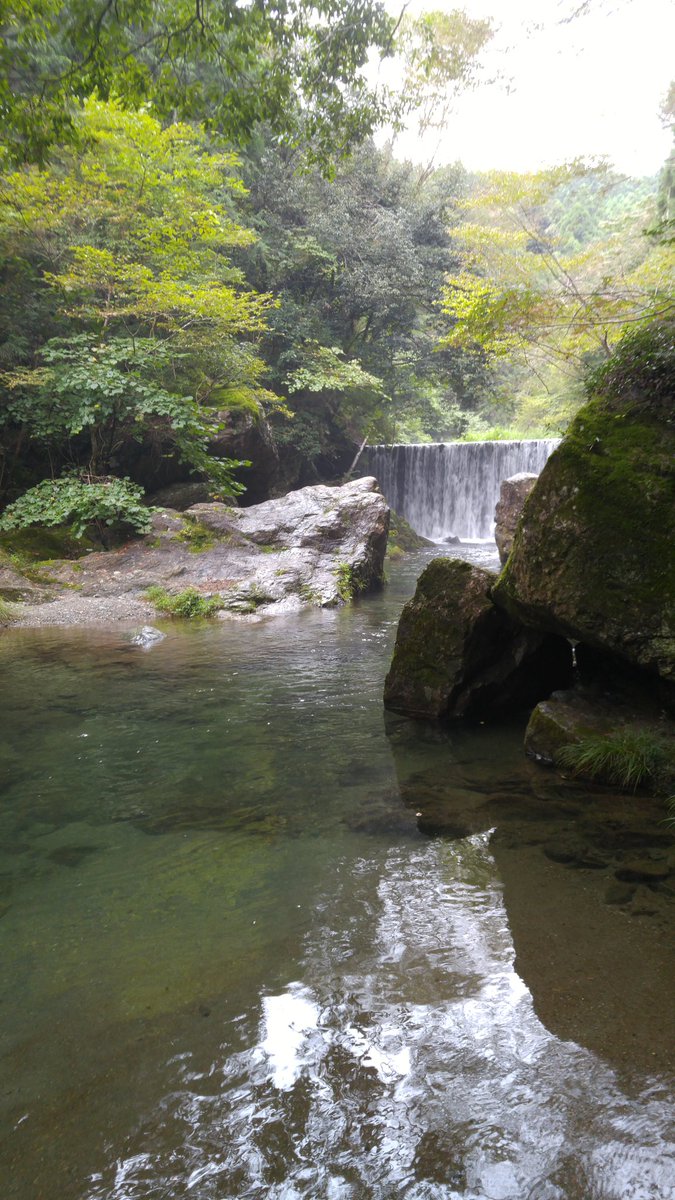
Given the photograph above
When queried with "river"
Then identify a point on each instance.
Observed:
(237, 963)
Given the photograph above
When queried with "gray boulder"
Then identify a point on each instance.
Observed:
(512, 496)
(318, 546)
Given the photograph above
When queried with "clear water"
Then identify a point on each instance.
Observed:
(233, 966)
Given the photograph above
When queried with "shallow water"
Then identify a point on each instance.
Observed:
(234, 966)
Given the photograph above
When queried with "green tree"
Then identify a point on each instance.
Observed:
(296, 65)
(149, 325)
(358, 263)
(533, 294)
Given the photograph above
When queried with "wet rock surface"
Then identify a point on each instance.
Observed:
(319, 546)
(512, 496)
(458, 656)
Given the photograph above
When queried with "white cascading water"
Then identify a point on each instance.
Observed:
(451, 488)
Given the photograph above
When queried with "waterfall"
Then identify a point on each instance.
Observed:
(446, 488)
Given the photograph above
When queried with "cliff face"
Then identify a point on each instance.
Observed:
(594, 557)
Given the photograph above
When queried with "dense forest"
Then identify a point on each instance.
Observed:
(199, 233)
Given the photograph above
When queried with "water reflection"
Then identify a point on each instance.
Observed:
(233, 965)
(407, 1062)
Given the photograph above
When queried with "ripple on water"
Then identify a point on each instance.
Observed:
(232, 965)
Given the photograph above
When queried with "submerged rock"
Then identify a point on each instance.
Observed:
(457, 655)
(147, 636)
(512, 496)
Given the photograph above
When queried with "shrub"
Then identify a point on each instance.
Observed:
(628, 758)
(81, 501)
(189, 604)
(641, 371)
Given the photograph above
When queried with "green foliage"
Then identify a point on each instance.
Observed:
(641, 372)
(555, 266)
(354, 340)
(630, 758)
(345, 582)
(147, 318)
(189, 603)
(294, 66)
(324, 369)
(348, 582)
(80, 502)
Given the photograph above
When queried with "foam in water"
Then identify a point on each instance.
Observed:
(446, 488)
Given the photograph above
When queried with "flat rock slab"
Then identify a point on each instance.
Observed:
(318, 546)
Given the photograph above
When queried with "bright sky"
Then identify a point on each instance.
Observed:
(590, 87)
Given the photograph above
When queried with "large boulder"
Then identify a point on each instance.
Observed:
(319, 546)
(241, 433)
(458, 656)
(594, 557)
(512, 496)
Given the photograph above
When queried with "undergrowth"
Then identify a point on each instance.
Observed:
(7, 612)
(189, 604)
(629, 759)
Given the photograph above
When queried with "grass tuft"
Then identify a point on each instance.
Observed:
(628, 758)
(188, 604)
(8, 612)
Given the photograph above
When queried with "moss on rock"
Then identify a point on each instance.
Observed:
(457, 655)
(402, 537)
(594, 557)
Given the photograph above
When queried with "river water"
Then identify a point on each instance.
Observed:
(236, 962)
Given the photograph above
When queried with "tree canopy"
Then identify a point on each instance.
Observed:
(294, 65)
(142, 321)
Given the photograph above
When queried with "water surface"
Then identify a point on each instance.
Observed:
(234, 965)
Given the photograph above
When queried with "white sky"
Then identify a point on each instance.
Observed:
(591, 87)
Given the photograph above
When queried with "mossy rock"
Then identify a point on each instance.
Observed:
(594, 556)
(562, 721)
(402, 536)
(458, 656)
